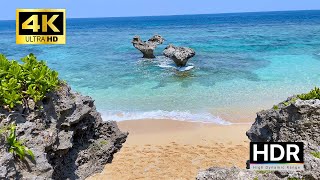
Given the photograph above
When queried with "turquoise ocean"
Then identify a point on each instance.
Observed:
(245, 62)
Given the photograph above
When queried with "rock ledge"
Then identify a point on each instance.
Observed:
(293, 120)
(68, 137)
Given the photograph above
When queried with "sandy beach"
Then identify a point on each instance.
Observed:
(167, 149)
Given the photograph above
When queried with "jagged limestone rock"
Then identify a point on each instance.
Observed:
(180, 55)
(147, 47)
(65, 136)
(293, 120)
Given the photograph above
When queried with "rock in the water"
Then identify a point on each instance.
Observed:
(156, 39)
(293, 120)
(180, 55)
(147, 48)
(68, 137)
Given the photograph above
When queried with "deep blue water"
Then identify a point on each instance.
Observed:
(245, 63)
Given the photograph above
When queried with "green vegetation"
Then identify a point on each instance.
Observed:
(103, 142)
(15, 146)
(20, 82)
(98, 145)
(315, 154)
(287, 103)
(275, 107)
(263, 171)
(294, 178)
(313, 94)
(293, 100)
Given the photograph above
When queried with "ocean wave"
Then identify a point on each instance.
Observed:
(166, 63)
(170, 115)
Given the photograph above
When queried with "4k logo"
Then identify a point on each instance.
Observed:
(41, 26)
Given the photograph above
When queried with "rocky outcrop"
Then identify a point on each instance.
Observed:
(293, 120)
(67, 136)
(147, 47)
(180, 55)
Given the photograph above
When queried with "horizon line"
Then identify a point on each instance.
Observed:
(169, 15)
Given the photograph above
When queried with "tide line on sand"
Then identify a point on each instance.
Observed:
(159, 114)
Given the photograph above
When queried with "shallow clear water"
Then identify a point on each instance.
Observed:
(244, 63)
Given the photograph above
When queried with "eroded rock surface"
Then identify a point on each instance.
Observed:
(67, 136)
(298, 121)
(293, 120)
(147, 47)
(180, 55)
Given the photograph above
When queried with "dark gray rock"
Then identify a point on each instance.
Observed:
(147, 47)
(293, 120)
(180, 55)
(68, 137)
(65, 140)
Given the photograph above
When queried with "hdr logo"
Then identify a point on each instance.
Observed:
(276, 156)
(41, 26)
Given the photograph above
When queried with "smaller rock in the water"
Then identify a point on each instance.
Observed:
(147, 48)
(180, 55)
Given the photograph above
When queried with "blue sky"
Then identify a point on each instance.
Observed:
(119, 8)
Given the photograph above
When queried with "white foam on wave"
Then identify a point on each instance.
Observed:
(164, 62)
(170, 115)
(168, 64)
(187, 68)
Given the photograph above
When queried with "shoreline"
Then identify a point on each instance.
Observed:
(221, 117)
(171, 149)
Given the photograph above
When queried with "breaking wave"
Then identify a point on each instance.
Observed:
(169, 115)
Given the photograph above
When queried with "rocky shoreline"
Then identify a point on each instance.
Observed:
(293, 120)
(67, 136)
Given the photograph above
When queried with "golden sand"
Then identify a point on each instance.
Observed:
(166, 149)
